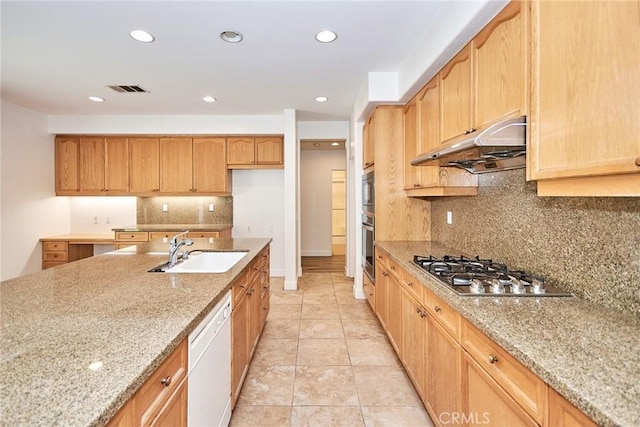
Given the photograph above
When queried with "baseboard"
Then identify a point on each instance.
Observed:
(316, 253)
(290, 285)
(358, 293)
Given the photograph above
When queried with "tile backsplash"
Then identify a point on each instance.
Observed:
(185, 210)
(589, 246)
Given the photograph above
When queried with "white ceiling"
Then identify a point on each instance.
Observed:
(56, 54)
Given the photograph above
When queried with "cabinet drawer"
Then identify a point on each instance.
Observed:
(59, 256)
(411, 285)
(51, 264)
(55, 246)
(524, 386)
(447, 317)
(152, 395)
(394, 269)
(132, 236)
(239, 288)
(165, 236)
(381, 257)
(203, 234)
(369, 290)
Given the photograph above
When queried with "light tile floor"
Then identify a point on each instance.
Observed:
(323, 360)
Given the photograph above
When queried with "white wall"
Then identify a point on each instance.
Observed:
(110, 212)
(315, 199)
(30, 209)
(258, 210)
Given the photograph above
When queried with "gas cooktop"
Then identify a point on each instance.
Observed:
(484, 277)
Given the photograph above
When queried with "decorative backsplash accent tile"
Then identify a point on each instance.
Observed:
(587, 245)
(184, 210)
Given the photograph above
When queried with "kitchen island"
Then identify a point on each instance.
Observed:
(78, 340)
(588, 353)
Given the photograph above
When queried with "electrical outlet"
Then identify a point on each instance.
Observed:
(210, 207)
(449, 217)
(165, 207)
(248, 229)
(95, 219)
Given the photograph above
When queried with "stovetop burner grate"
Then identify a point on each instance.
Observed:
(485, 277)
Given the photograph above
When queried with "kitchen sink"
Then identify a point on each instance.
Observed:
(203, 262)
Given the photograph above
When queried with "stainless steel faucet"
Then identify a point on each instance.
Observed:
(174, 246)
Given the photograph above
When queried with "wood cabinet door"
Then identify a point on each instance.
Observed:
(174, 412)
(485, 402)
(176, 165)
(585, 78)
(428, 105)
(67, 165)
(254, 294)
(210, 172)
(116, 174)
(240, 151)
(368, 144)
(382, 284)
(239, 345)
(144, 160)
(394, 314)
(411, 147)
(457, 95)
(563, 414)
(442, 378)
(499, 57)
(92, 163)
(414, 333)
(269, 151)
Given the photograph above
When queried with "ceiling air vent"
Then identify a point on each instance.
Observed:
(128, 88)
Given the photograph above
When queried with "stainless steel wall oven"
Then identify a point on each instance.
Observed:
(368, 235)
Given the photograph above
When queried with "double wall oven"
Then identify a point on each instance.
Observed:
(368, 225)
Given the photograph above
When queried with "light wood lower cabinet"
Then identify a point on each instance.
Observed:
(443, 397)
(485, 402)
(463, 377)
(162, 399)
(369, 290)
(250, 307)
(132, 238)
(563, 414)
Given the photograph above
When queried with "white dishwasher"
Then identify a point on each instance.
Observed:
(209, 392)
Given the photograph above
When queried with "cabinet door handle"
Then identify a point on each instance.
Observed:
(166, 381)
(493, 359)
(385, 274)
(437, 309)
(637, 161)
(417, 185)
(409, 283)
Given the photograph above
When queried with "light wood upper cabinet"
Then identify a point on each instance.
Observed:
(176, 165)
(240, 151)
(269, 151)
(255, 153)
(210, 173)
(499, 58)
(421, 134)
(144, 157)
(456, 80)
(116, 175)
(67, 165)
(92, 164)
(585, 109)
(368, 144)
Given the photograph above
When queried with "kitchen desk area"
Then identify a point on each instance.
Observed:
(80, 339)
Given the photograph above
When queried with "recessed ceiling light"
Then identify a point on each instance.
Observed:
(321, 99)
(335, 144)
(142, 36)
(326, 36)
(231, 36)
(96, 99)
(209, 99)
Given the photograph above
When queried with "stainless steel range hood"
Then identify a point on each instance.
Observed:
(499, 146)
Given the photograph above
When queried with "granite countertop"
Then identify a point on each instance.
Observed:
(107, 309)
(174, 227)
(588, 353)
